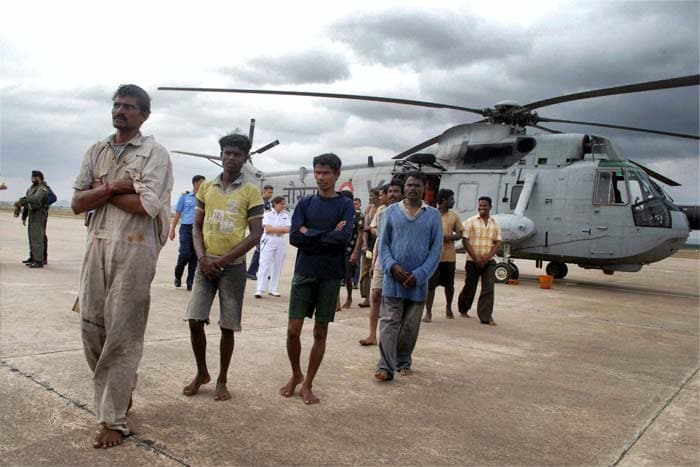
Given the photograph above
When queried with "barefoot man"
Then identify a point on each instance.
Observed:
(126, 179)
(321, 228)
(226, 205)
(390, 194)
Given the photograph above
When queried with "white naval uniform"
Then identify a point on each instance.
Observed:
(273, 249)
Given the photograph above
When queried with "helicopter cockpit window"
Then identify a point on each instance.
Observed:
(641, 188)
(610, 188)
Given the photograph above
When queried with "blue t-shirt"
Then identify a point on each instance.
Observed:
(186, 206)
(321, 251)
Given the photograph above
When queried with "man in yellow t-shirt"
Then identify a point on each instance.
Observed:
(226, 205)
(444, 275)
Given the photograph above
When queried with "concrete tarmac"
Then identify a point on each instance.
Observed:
(599, 370)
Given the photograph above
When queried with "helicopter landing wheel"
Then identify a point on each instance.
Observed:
(515, 272)
(557, 270)
(505, 271)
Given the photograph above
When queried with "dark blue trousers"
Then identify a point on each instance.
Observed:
(186, 255)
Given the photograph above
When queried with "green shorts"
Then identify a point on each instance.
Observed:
(309, 294)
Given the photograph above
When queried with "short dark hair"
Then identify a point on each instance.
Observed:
(37, 173)
(197, 178)
(268, 187)
(141, 96)
(236, 140)
(357, 199)
(443, 194)
(485, 198)
(329, 159)
(417, 175)
(384, 188)
(395, 182)
(374, 191)
(277, 199)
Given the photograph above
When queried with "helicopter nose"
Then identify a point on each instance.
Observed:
(693, 215)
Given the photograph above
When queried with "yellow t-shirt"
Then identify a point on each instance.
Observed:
(226, 214)
(451, 223)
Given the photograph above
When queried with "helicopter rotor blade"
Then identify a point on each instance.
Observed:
(196, 154)
(251, 131)
(549, 130)
(619, 127)
(417, 147)
(266, 147)
(330, 95)
(656, 175)
(691, 80)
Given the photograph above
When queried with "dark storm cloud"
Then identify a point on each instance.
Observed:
(423, 38)
(309, 66)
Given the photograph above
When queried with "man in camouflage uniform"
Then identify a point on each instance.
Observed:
(35, 208)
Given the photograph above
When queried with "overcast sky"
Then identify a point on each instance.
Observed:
(61, 62)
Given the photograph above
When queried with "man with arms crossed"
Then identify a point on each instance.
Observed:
(482, 239)
(127, 179)
(321, 228)
(410, 245)
(226, 205)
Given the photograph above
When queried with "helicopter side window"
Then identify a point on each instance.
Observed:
(610, 188)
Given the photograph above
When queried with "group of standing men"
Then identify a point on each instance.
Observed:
(127, 180)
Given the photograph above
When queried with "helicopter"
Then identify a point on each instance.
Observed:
(564, 198)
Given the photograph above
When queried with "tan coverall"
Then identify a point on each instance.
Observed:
(118, 268)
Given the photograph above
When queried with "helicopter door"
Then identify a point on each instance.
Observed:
(465, 202)
(607, 219)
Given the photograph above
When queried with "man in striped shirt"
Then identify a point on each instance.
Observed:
(482, 239)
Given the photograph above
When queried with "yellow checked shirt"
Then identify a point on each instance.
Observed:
(226, 214)
(481, 236)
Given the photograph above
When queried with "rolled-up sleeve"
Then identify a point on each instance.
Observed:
(85, 177)
(155, 182)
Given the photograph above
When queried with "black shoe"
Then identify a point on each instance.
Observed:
(35, 264)
(189, 288)
(177, 282)
(28, 260)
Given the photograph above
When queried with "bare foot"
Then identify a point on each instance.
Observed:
(193, 388)
(347, 304)
(427, 319)
(308, 396)
(464, 315)
(288, 389)
(221, 393)
(405, 372)
(449, 314)
(107, 438)
(382, 375)
(368, 341)
(492, 323)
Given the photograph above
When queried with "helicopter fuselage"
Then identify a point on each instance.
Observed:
(586, 205)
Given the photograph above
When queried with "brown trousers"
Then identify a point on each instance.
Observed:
(484, 308)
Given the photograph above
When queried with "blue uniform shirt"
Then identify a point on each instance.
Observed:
(185, 206)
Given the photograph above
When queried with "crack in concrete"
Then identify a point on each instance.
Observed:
(641, 433)
(146, 444)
